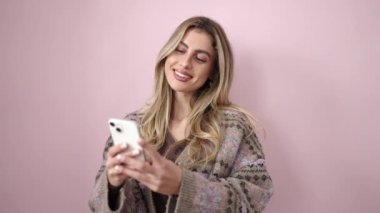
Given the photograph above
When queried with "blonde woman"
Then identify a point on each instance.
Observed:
(202, 152)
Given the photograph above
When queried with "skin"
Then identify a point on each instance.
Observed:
(194, 58)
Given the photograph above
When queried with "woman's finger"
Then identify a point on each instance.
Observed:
(133, 153)
(144, 178)
(116, 175)
(116, 170)
(139, 165)
(113, 161)
(116, 149)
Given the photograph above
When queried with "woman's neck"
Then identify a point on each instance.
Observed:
(181, 106)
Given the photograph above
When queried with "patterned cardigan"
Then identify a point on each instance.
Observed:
(237, 181)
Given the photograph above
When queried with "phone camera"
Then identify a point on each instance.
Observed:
(118, 129)
(112, 124)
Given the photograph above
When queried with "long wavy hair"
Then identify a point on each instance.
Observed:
(210, 100)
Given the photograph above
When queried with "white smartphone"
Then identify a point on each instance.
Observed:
(126, 131)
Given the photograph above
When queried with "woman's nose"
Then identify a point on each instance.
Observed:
(185, 61)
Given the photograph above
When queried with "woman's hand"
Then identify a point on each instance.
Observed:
(116, 163)
(157, 173)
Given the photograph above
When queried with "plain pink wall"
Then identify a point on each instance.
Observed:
(308, 70)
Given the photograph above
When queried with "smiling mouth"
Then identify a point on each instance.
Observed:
(181, 76)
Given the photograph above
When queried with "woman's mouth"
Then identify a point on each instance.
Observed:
(181, 76)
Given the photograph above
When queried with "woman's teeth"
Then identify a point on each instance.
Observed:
(181, 74)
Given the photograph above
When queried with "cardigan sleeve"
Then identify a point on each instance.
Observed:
(129, 198)
(244, 186)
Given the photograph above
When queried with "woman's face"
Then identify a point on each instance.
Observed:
(189, 66)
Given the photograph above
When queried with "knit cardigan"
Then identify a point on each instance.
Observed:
(237, 181)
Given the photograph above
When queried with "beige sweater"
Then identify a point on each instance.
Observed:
(237, 181)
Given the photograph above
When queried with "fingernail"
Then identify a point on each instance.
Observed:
(119, 157)
(117, 167)
(135, 152)
(124, 145)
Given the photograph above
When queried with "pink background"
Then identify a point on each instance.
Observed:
(308, 70)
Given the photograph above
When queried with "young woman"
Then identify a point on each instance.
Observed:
(202, 152)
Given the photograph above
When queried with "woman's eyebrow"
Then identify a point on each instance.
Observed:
(198, 51)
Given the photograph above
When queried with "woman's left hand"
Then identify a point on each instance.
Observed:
(157, 173)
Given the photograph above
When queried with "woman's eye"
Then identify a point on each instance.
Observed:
(200, 60)
(180, 50)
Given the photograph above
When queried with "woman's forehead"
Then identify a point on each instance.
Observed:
(198, 39)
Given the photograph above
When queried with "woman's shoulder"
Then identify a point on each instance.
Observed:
(232, 113)
(236, 117)
(236, 114)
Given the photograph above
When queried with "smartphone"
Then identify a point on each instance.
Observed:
(126, 131)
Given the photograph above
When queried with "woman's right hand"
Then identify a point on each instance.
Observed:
(116, 163)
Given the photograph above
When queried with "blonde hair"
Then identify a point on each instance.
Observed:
(211, 99)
